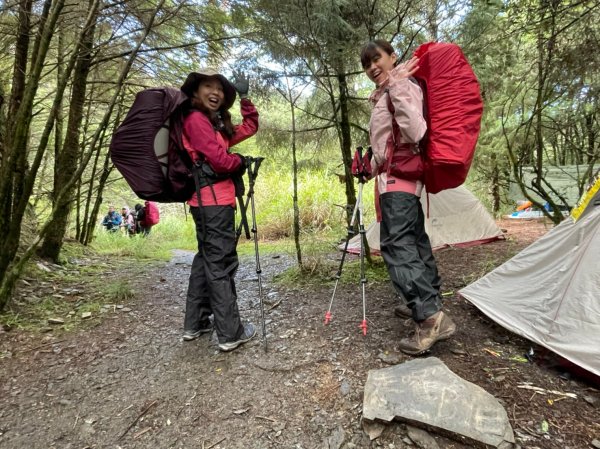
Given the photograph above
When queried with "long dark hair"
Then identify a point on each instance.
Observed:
(224, 124)
(221, 121)
(371, 50)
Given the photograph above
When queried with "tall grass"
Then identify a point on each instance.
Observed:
(321, 200)
(173, 231)
(321, 203)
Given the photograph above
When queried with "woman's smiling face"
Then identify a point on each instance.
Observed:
(380, 65)
(209, 95)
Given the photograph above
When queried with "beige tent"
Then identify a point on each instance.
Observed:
(550, 292)
(456, 218)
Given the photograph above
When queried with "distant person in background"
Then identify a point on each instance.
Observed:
(112, 220)
(128, 223)
(140, 215)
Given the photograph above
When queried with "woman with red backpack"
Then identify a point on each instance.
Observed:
(208, 133)
(396, 127)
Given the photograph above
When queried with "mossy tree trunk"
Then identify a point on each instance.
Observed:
(16, 183)
(67, 159)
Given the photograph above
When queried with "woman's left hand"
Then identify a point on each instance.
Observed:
(241, 84)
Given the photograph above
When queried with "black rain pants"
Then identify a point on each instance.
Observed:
(212, 287)
(407, 253)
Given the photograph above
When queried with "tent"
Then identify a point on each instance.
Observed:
(456, 218)
(549, 293)
(526, 211)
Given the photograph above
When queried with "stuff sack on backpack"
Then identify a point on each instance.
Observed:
(151, 214)
(453, 110)
(147, 147)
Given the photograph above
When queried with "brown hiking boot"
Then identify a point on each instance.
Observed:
(435, 328)
(402, 311)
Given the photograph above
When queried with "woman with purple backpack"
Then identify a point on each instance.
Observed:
(208, 134)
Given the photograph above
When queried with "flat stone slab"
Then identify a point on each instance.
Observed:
(426, 391)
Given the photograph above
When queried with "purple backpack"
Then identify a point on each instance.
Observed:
(147, 147)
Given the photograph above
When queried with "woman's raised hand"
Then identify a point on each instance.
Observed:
(241, 84)
(406, 69)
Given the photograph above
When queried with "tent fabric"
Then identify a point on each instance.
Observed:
(454, 217)
(550, 292)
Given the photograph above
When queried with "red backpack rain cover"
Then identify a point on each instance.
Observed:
(151, 214)
(147, 147)
(453, 109)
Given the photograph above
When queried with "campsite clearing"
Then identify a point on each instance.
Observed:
(127, 380)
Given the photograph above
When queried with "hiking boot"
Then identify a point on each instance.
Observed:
(403, 311)
(435, 328)
(249, 333)
(189, 335)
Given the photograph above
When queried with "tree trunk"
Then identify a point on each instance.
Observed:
(89, 217)
(91, 224)
(495, 186)
(7, 168)
(58, 113)
(66, 161)
(20, 65)
(13, 181)
(90, 221)
(346, 142)
(83, 217)
(2, 123)
(346, 146)
(292, 101)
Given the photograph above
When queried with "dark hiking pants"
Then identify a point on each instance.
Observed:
(407, 253)
(212, 287)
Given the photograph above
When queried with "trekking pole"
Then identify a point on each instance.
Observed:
(363, 174)
(363, 278)
(243, 219)
(252, 173)
(338, 275)
(356, 213)
(244, 208)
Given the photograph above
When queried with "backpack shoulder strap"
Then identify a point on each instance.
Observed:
(390, 105)
(392, 109)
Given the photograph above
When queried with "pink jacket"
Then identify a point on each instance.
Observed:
(407, 99)
(201, 139)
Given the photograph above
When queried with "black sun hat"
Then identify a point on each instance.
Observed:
(193, 80)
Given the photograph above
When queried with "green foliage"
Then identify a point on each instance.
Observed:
(34, 316)
(321, 270)
(322, 214)
(86, 283)
(321, 202)
(537, 91)
(172, 232)
(118, 291)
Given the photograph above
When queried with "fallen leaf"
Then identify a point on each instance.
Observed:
(491, 352)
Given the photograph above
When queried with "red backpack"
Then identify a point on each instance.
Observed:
(151, 214)
(147, 147)
(453, 110)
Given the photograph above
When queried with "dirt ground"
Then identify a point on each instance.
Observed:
(127, 380)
